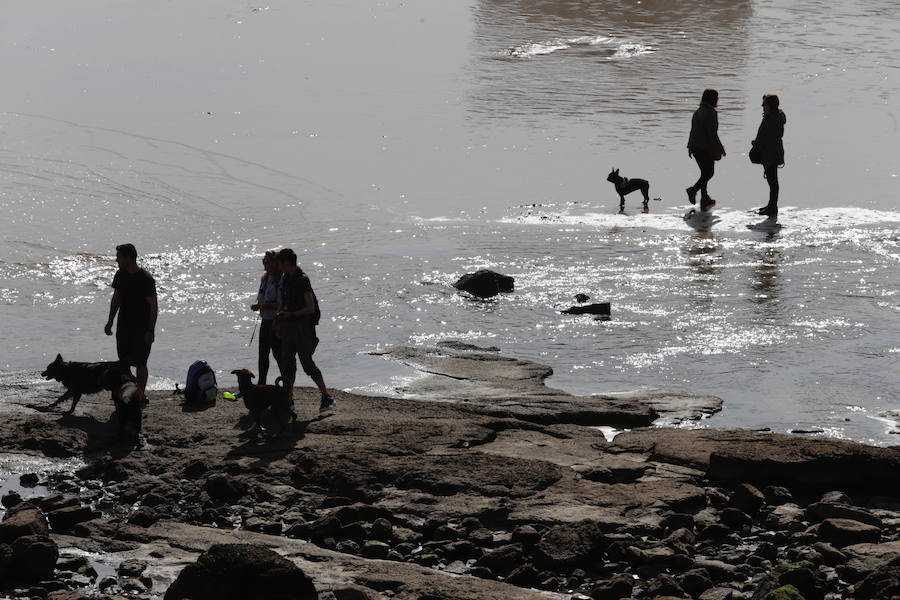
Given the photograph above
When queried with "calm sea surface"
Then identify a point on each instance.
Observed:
(397, 145)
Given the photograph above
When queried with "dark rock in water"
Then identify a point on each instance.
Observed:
(598, 308)
(33, 558)
(11, 499)
(24, 519)
(485, 283)
(568, 545)
(28, 480)
(224, 487)
(846, 532)
(582, 298)
(241, 572)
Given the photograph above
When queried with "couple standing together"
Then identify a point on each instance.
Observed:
(289, 312)
(706, 148)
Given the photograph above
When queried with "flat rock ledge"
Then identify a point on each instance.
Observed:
(425, 500)
(503, 386)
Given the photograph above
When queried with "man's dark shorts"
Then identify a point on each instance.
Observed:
(131, 346)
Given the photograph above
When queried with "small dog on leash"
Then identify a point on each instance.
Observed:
(260, 398)
(128, 400)
(77, 377)
(625, 186)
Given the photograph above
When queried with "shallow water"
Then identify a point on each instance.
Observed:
(397, 146)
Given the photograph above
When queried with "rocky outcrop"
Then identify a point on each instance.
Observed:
(241, 572)
(485, 283)
(597, 308)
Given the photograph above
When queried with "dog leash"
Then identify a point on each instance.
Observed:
(252, 335)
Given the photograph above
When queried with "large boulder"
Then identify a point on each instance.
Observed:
(485, 283)
(846, 532)
(241, 572)
(24, 519)
(33, 558)
(819, 511)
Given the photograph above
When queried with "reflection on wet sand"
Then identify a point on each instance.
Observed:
(586, 59)
(765, 279)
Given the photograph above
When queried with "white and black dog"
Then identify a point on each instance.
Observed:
(129, 402)
(625, 186)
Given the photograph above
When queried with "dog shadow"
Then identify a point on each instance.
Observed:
(102, 436)
(269, 448)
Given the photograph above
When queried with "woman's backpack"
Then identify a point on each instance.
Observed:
(201, 387)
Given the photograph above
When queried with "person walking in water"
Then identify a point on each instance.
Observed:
(705, 146)
(134, 299)
(298, 315)
(267, 305)
(770, 149)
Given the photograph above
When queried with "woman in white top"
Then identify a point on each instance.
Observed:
(267, 305)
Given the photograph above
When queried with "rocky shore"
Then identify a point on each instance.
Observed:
(504, 490)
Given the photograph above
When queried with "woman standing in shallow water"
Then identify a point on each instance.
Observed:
(267, 305)
(705, 147)
(769, 147)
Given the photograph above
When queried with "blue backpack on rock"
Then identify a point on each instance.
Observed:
(201, 387)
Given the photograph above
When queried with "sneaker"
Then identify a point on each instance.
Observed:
(762, 211)
(692, 195)
(707, 204)
(327, 403)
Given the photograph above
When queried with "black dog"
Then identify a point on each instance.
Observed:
(625, 186)
(77, 377)
(259, 398)
(128, 400)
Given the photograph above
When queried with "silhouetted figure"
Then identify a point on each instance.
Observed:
(770, 148)
(705, 146)
(267, 305)
(134, 299)
(298, 315)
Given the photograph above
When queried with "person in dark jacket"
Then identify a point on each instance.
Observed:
(771, 149)
(705, 146)
(298, 315)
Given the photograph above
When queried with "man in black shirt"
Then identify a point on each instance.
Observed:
(134, 299)
(298, 316)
